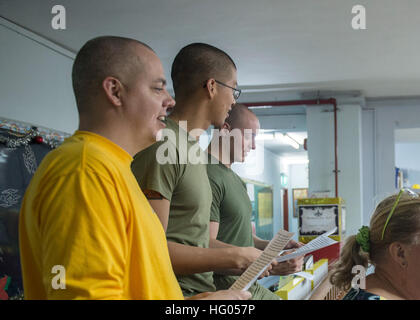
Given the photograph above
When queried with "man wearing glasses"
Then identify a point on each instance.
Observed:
(204, 81)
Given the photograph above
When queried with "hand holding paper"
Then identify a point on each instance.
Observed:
(245, 281)
(287, 267)
(318, 243)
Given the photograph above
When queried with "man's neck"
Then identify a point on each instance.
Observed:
(194, 114)
(218, 152)
(117, 134)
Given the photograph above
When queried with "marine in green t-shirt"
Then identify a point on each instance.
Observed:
(187, 187)
(231, 207)
(173, 177)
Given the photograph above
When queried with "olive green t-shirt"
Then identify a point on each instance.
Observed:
(231, 206)
(165, 167)
(232, 209)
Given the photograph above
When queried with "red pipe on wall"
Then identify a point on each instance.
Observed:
(330, 101)
(285, 209)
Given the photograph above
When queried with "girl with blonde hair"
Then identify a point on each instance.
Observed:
(392, 245)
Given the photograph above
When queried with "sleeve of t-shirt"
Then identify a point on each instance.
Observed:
(83, 227)
(157, 168)
(217, 191)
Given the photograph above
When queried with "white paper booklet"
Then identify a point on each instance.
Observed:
(305, 275)
(250, 275)
(318, 243)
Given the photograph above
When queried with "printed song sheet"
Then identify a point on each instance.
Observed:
(246, 280)
(318, 243)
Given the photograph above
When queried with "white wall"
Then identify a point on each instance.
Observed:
(320, 123)
(320, 127)
(368, 160)
(285, 122)
(35, 82)
(379, 123)
(350, 156)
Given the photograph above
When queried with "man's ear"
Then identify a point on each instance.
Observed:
(113, 90)
(398, 253)
(226, 126)
(210, 85)
(225, 129)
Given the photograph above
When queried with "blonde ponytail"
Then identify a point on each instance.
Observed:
(351, 255)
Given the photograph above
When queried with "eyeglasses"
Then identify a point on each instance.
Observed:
(236, 92)
(406, 191)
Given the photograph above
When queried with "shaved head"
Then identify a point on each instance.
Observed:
(243, 126)
(195, 64)
(104, 57)
(238, 116)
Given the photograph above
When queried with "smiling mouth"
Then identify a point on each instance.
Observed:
(162, 119)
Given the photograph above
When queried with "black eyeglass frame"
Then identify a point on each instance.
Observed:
(236, 92)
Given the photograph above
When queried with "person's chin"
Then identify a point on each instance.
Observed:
(219, 123)
(161, 125)
(158, 132)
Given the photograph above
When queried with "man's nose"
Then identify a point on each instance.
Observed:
(170, 102)
(253, 144)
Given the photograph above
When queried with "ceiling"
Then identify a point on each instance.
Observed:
(276, 44)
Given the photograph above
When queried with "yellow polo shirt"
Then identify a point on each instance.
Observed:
(85, 213)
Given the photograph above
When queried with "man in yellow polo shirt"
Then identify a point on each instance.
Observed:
(86, 230)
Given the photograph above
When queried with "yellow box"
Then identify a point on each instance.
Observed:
(319, 271)
(318, 215)
(296, 289)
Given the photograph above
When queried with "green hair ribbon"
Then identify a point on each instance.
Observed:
(362, 238)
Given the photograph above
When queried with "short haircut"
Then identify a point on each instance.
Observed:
(195, 64)
(237, 114)
(102, 57)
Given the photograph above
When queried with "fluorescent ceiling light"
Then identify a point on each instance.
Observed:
(287, 139)
(297, 137)
(264, 136)
(260, 107)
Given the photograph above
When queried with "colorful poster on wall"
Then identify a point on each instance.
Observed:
(265, 209)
